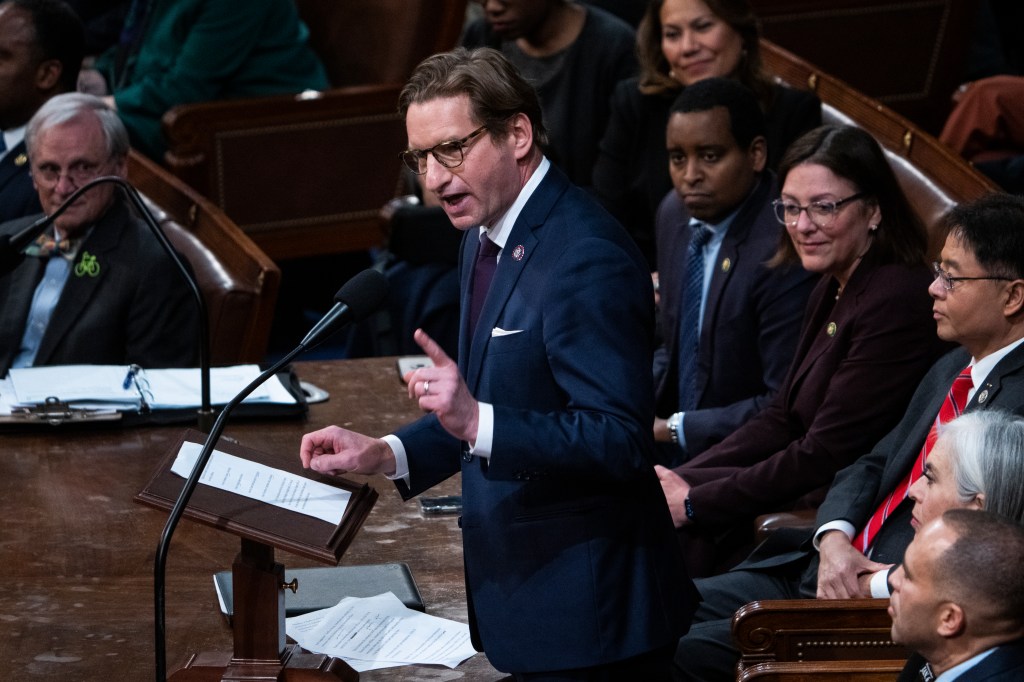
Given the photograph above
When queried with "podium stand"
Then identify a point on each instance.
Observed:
(260, 652)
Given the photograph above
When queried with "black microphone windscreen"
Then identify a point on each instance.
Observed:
(364, 293)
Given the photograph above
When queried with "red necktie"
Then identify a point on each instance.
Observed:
(952, 407)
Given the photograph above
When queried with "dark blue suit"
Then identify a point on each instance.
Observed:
(569, 549)
(751, 319)
(18, 198)
(1005, 664)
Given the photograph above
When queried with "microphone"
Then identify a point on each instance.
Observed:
(356, 299)
(11, 256)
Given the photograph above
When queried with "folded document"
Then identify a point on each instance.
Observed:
(132, 388)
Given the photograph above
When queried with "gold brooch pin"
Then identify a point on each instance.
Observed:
(831, 329)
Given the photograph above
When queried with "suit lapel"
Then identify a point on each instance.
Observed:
(990, 388)
(9, 168)
(24, 278)
(518, 250)
(81, 286)
(728, 257)
(817, 338)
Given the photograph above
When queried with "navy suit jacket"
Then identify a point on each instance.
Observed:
(18, 198)
(1005, 664)
(135, 309)
(569, 549)
(860, 488)
(751, 319)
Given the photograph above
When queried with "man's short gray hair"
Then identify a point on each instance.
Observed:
(63, 108)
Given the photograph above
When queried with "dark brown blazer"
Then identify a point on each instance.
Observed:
(859, 358)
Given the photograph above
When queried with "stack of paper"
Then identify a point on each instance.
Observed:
(380, 632)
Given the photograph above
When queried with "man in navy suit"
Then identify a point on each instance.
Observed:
(958, 599)
(748, 314)
(572, 571)
(41, 48)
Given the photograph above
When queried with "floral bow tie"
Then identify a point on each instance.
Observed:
(45, 246)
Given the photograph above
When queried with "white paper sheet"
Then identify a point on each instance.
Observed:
(380, 632)
(259, 482)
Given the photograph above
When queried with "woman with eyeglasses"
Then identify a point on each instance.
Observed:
(867, 339)
(681, 42)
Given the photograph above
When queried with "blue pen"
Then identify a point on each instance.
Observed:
(129, 378)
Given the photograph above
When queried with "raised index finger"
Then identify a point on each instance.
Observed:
(432, 349)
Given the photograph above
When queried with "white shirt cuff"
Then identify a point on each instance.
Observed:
(401, 459)
(844, 526)
(484, 432)
(880, 584)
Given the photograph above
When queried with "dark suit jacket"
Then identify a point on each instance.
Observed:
(1005, 664)
(136, 309)
(569, 551)
(860, 488)
(631, 174)
(751, 319)
(18, 198)
(857, 363)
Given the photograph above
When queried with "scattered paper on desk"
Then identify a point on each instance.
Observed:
(381, 632)
(263, 483)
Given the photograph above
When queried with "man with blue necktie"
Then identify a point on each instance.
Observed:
(572, 570)
(730, 321)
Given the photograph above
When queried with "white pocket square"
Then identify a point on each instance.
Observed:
(498, 331)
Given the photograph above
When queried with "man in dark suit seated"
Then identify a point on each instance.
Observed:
(572, 571)
(728, 342)
(958, 599)
(41, 49)
(863, 525)
(97, 287)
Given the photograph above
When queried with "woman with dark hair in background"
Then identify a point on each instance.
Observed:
(680, 42)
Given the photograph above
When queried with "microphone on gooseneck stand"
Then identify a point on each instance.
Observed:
(11, 255)
(358, 298)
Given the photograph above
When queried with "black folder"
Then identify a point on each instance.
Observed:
(323, 587)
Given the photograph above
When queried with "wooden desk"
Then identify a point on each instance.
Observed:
(77, 603)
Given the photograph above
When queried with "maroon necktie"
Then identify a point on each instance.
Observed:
(952, 407)
(483, 273)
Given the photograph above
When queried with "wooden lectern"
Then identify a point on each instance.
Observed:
(260, 652)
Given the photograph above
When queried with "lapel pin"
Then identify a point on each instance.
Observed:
(726, 264)
(831, 329)
(518, 252)
(87, 266)
(20, 160)
(983, 396)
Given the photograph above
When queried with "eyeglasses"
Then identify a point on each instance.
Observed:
(949, 280)
(79, 173)
(449, 154)
(821, 213)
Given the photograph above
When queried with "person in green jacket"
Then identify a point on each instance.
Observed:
(179, 51)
